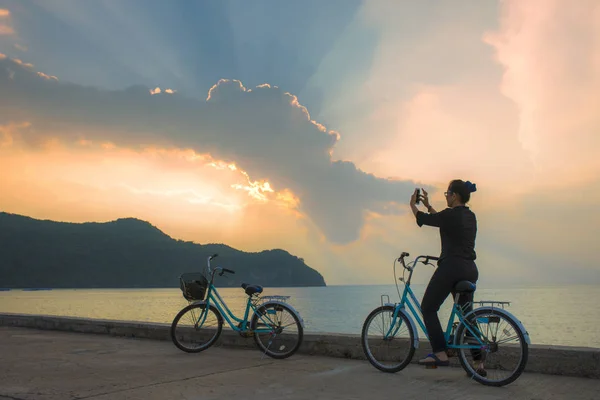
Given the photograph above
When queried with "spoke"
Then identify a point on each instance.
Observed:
(508, 339)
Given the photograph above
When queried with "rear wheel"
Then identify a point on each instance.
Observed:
(503, 354)
(387, 350)
(281, 331)
(196, 327)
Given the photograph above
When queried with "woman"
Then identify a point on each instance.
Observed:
(458, 229)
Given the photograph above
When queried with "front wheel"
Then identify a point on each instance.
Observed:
(277, 330)
(387, 341)
(502, 353)
(196, 327)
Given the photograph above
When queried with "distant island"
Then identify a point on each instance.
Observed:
(128, 253)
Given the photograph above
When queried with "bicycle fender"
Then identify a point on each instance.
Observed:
(508, 315)
(288, 306)
(413, 327)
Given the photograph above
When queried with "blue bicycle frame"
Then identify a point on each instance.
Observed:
(408, 300)
(215, 298)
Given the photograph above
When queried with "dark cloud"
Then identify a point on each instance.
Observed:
(190, 45)
(263, 130)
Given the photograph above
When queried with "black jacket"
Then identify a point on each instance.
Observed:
(458, 229)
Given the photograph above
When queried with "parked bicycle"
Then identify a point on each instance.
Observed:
(486, 339)
(277, 328)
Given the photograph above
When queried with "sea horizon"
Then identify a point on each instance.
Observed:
(327, 309)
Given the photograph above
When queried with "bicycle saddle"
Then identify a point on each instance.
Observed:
(464, 287)
(252, 289)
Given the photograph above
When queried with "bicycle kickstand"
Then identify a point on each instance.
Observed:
(268, 346)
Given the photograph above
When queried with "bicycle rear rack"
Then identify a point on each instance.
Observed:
(264, 299)
(388, 299)
(501, 304)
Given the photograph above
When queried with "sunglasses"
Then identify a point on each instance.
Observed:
(448, 193)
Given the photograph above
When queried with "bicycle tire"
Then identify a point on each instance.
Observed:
(366, 348)
(255, 321)
(473, 373)
(175, 337)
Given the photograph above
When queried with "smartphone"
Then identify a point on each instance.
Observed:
(418, 194)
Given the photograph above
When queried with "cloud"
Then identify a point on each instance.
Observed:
(20, 47)
(551, 58)
(415, 49)
(263, 130)
(457, 131)
(158, 90)
(10, 132)
(189, 195)
(180, 178)
(43, 75)
(429, 108)
(21, 63)
(5, 29)
(514, 110)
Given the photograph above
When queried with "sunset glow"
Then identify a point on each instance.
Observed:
(314, 146)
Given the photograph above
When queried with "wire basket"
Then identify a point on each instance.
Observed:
(193, 286)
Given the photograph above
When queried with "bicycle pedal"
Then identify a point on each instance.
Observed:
(431, 367)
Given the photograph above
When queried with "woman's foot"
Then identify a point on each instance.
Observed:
(479, 371)
(438, 359)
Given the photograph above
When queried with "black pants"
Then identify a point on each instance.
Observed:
(448, 273)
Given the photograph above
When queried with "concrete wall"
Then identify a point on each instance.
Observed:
(558, 360)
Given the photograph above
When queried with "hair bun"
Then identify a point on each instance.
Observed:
(471, 187)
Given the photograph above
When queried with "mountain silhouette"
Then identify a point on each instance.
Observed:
(128, 253)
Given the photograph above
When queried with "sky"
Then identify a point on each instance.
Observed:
(307, 125)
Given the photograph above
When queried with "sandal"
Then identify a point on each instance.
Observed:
(436, 361)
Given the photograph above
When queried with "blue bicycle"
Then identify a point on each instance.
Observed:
(492, 345)
(277, 328)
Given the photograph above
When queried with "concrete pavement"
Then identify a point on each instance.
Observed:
(38, 364)
(557, 360)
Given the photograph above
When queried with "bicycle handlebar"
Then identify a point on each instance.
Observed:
(210, 258)
(425, 261)
(223, 270)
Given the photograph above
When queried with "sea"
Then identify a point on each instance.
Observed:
(553, 315)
